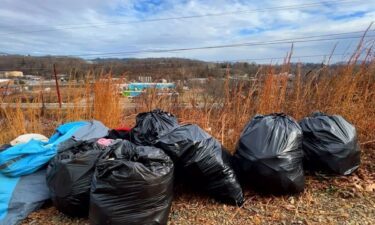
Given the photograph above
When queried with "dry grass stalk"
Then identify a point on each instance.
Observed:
(348, 90)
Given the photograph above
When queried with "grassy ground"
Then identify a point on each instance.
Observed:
(326, 200)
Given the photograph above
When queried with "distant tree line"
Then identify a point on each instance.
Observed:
(131, 68)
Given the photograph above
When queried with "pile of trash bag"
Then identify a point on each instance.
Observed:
(269, 155)
(151, 125)
(203, 162)
(126, 176)
(131, 185)
(330, 144)
(69, 176)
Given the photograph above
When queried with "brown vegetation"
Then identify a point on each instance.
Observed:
(348, 90)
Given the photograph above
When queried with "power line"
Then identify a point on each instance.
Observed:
(314, 38)
(95, 25)
(245, 44)
(274, 58)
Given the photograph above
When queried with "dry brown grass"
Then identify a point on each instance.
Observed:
(348, 90)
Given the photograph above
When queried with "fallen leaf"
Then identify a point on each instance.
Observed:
(291, 207)
(358, 187)
(370, 187)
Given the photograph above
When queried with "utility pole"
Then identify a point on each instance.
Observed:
(57, 85)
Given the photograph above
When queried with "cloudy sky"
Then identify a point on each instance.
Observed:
(141, 28)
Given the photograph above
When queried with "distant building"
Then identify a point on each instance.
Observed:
(62, 77)
(11, 74)
(32, 77)
(145, 79)
(5, 82)
(195, 81)
(244, 77)
(7, 87)
(136, 89)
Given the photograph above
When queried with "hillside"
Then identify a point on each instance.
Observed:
(132, 68)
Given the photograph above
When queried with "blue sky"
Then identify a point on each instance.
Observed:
(84, 27)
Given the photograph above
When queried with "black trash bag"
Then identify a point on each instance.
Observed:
(151, 125)
(202, 162)
(118, 134)
(330, 144)
(69, 176)
(132, 185)
(269, 155)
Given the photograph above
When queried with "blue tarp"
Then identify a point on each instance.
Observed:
(19, 196)
(66, 131)
(7, 186)
(24, 159)
(23, 187)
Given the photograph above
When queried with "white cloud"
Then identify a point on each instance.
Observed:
(17, 16)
